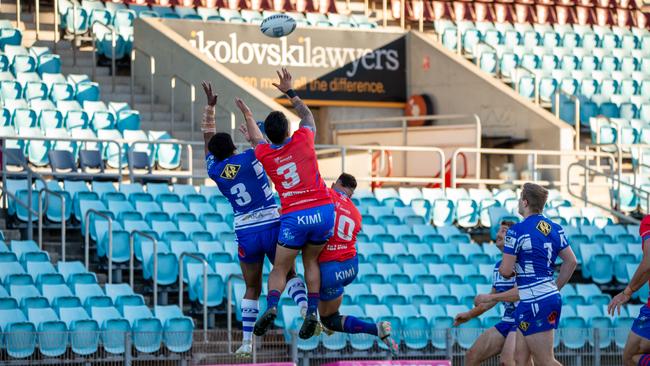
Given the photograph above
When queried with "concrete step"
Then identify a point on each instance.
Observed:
(119, 80)
(126, 97)
(165, 125)
(162, 117)
(146, 107)
(87, 69)
(119, 88)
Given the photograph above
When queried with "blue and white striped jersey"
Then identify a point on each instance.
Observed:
(242, 180)
(536, 242)
(502, 284)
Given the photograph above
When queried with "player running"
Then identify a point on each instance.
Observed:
(501, 337)
(241, 179)
(339, 267)
(307, 211)
(637, 347)
(530, 250)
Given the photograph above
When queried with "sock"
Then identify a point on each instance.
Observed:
(272, 299)
(312, 302)
(249, 311)
(644, 360)
(298, 292)
(355, 325)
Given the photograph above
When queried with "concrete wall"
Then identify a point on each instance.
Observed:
(457, 86)
(173, 55)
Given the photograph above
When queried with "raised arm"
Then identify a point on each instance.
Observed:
(208, 125)
(640, 278)
(250, 130)
(286, 87)
(569, 264)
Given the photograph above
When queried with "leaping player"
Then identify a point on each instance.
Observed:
(531, 248)
(637, 347)
(307, 211)
(501, 337)
(339, 267)
(241, 179)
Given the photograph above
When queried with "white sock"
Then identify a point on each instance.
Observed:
(298, 291)
(249, 311)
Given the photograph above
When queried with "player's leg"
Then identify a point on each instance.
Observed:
(541, 348)
(637, 346)
(507, 357)
(284, 261)
(295, 285)
(522, 353)
(318, 235)
(252, 273)
(488, 344)
(310, 255)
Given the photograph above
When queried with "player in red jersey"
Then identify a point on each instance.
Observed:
(339, 267)
(307, 211)
(637, 347)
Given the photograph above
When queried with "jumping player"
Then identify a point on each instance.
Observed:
(501, 337)
(531, 248)
(637, 347)
(339, 267)
(307, 211)
(241, 179)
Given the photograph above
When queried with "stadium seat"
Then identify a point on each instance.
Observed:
(146, 329)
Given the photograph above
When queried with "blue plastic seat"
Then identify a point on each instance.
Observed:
(146, 329)
(113, 326)
(195, 286)
(19, 334)
(52, 336)
(177, 328)
(573, 331)
(84, 332)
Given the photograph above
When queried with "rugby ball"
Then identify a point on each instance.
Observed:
(278, 25)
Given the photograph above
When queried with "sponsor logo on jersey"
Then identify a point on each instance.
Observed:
(524, 326)
(510, 241)
(309, 219)
(552, 317)
(241, 251)
(230, 171)
(544, 227)
(342, 275)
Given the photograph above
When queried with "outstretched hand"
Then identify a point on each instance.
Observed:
(207, 88)
(462, 318)
(285, 80)
(243, 107)
(614, 307)
(244, 131)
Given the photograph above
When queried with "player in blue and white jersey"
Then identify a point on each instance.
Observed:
(531, 248)
(242, 180)
(502, 337)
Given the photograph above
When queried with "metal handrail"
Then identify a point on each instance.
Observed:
(18, 11)
(152, 71)
(189, 174)
(205, 288)
(585, 192)
(40, 217)
(229, 306)
(113, 46)
(155, 261)
(172, 81)
(517, 77)
(27, 206)
(536, 166)
(92, 211)
(576, 101)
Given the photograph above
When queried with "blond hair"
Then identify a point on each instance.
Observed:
(535, 195)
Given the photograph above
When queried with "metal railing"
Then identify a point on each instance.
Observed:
(536, 165)
(87, 240)
(205, 288)
(155, 261)
(172, 81)
(41, 212)
(152, 72)
(585, 193)
(229, 307)
(576, 102)
(93, 37)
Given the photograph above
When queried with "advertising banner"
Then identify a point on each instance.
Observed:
(328, 65)
(392, 363)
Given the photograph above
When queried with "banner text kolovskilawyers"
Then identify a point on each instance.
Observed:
(328, 64)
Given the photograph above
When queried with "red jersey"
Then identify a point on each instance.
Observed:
(644, 233)
(342, 245)
(293, 169)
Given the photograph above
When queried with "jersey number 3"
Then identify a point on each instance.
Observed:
(239, 191)
(290, 173)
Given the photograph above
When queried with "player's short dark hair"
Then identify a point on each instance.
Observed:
(507, 223)
(348, 181)
(535, 195)
(276, 126)
(221, 146)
